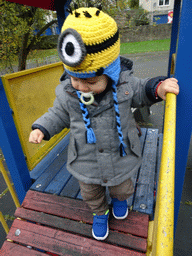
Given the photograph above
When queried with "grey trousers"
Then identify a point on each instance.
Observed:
(95, 195)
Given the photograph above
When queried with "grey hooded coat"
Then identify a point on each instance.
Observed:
(101, 163)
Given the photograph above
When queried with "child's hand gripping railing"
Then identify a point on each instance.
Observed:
(163, 231)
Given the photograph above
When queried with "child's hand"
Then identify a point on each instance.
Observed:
(36, 136)
(168, 85)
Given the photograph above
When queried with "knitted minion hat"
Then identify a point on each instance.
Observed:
(89, 46)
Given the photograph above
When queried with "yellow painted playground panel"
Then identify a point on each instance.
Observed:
(30, 93)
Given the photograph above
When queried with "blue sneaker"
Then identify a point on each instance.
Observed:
(120, 209)
(100, 228)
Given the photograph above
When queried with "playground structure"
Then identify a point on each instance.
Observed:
(17, 92)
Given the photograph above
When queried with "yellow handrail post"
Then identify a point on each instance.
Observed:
(6, 178)
(163, 233)
(4, 223)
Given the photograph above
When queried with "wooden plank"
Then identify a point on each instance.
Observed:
(60, 242)
(59, 182)
(44, 180)
(10, 249)
(144, 198)
(49, 158)
(79, 196)
(71, 189)
(143, 137)
(134, 178)
(120, 239)
(135, 224)
(159, 150)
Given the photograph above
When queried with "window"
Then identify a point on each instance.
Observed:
(163, 2)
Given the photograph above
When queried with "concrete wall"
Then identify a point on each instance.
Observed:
(134, 34)
(145, 33)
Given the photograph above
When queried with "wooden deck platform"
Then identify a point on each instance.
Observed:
(62, 226)
(54, 220)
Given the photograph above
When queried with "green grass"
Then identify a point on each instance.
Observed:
(126, 48)
(41, 54)
(146, 46)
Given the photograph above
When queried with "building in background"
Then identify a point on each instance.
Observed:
(160, 11)
(52, 30)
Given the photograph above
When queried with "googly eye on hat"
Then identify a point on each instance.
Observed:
(71, 48)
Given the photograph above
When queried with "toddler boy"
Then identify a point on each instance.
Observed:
(94, 100)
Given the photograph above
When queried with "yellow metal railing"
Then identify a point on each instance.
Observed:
(163, 225)
(12, 192)
(10, 187)
(4, 223)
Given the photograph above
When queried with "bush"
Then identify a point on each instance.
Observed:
(46, 42)
(134, 4)
(137, 17)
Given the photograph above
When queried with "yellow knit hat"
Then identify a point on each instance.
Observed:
(89, 41)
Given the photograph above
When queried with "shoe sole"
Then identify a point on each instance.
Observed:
(103, 237)
(122, 217)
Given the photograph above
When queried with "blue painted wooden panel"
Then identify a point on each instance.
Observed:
(48, 32)
(11, 147)
(44, 180)
(71, 189)
(59, 182)
(183, 72)
(174, 32)
(159, 150)
(134, 179)
(79, 196)
(143, 137)
(62, 12)
(160, 19)
(50, 158)
(52, 170)
(144, 198)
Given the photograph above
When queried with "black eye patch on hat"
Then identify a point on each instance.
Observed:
(71, 48)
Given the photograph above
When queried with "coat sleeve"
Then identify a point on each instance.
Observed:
(144, 91)
(57, 117)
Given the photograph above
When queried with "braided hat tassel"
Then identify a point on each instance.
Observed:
(122, 145)
(90, 133)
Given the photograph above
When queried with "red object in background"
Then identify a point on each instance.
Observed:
(45, 4)
(170, 17)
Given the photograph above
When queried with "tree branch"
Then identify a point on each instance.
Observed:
(40, 32)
